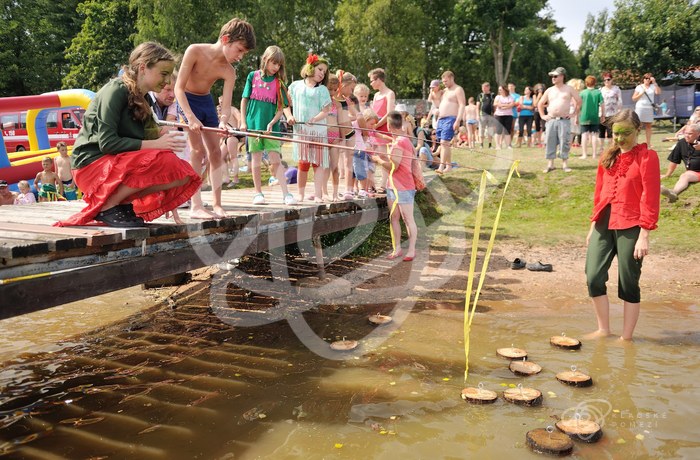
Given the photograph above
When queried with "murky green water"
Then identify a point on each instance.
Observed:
(181, 383)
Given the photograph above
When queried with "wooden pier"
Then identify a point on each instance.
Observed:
(42, 266)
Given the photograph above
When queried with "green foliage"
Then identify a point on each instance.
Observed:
(655, 36)
(34, 36)
(499, 23)
(102, 45)
(593, 34)
(393, 46)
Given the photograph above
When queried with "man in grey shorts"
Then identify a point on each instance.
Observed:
(558, 100)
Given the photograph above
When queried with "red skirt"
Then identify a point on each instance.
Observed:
(139, 170)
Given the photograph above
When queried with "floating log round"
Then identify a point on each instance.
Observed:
(379, 320)
(563, 341)
(512, 353)
(575, 378)
(580, 430)
(551, 443)
(524, 367)
(344, 345)
(479, 395)
(523, 396)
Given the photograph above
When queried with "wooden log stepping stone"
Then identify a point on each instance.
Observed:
(344, 345)
(550, 442)
(479, 395)
(512, 353)
(524, 367)
(523, 396)
(580, 430)
(379, 320)
(562, 341)
(575, 378)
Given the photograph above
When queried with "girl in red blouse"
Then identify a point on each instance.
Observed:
(625, 210)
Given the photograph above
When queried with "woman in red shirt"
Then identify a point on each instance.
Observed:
(625, 210)
(401, 187)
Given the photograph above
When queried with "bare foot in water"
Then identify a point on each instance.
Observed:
(600, 333)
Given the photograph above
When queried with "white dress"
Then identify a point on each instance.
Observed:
(306, 103)
(643, 107)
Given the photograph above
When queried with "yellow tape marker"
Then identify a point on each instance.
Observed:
(469, 311)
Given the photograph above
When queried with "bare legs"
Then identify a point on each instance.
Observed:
(647, 131)
(319, 177)
(601, 305)
(405, 212)
(207, 143)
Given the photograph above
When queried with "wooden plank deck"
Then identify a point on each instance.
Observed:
(43, 266)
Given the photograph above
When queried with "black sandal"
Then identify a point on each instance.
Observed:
(121, 216)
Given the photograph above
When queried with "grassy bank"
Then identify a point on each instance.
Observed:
(545, 209)
(554, 208)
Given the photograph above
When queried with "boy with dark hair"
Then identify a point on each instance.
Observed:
(202, 65)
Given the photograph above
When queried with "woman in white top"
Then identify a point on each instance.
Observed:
(644, 98)
(612, 103)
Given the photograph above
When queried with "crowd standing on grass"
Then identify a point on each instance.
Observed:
(340, 127)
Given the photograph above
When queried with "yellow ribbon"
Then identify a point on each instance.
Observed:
(469, 311)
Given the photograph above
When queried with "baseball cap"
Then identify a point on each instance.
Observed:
(435, 83)
(558, 71)
(3, 183)
(401, 108)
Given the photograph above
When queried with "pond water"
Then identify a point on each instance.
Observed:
(228, 373)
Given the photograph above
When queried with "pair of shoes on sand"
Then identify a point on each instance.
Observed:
(519, 264)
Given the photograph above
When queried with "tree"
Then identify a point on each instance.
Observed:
(35, 35)
(657, 36)
(103, 43)
(592, 35)
(498, 22)
(394, 46)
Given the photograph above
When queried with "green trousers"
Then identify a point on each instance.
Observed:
(604, 245)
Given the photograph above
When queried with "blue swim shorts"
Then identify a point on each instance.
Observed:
(405, 196)
(204, 109)
(445, 128)
(359, 164)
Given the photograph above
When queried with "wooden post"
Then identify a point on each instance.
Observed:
(319, 257)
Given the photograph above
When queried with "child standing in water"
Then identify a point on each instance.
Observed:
(202, 65)
(625, 210)
(123, 163)
(264, 100)
(311, 103)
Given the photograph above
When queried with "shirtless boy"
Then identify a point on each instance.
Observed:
(70, 191)
(50, 184)
(558, 99)
(451, 111)
(202, 65)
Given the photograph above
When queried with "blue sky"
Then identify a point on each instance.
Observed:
(571, 15)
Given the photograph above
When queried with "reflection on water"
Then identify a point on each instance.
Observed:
(180, 383)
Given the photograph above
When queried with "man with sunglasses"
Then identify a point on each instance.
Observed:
(558, 100)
